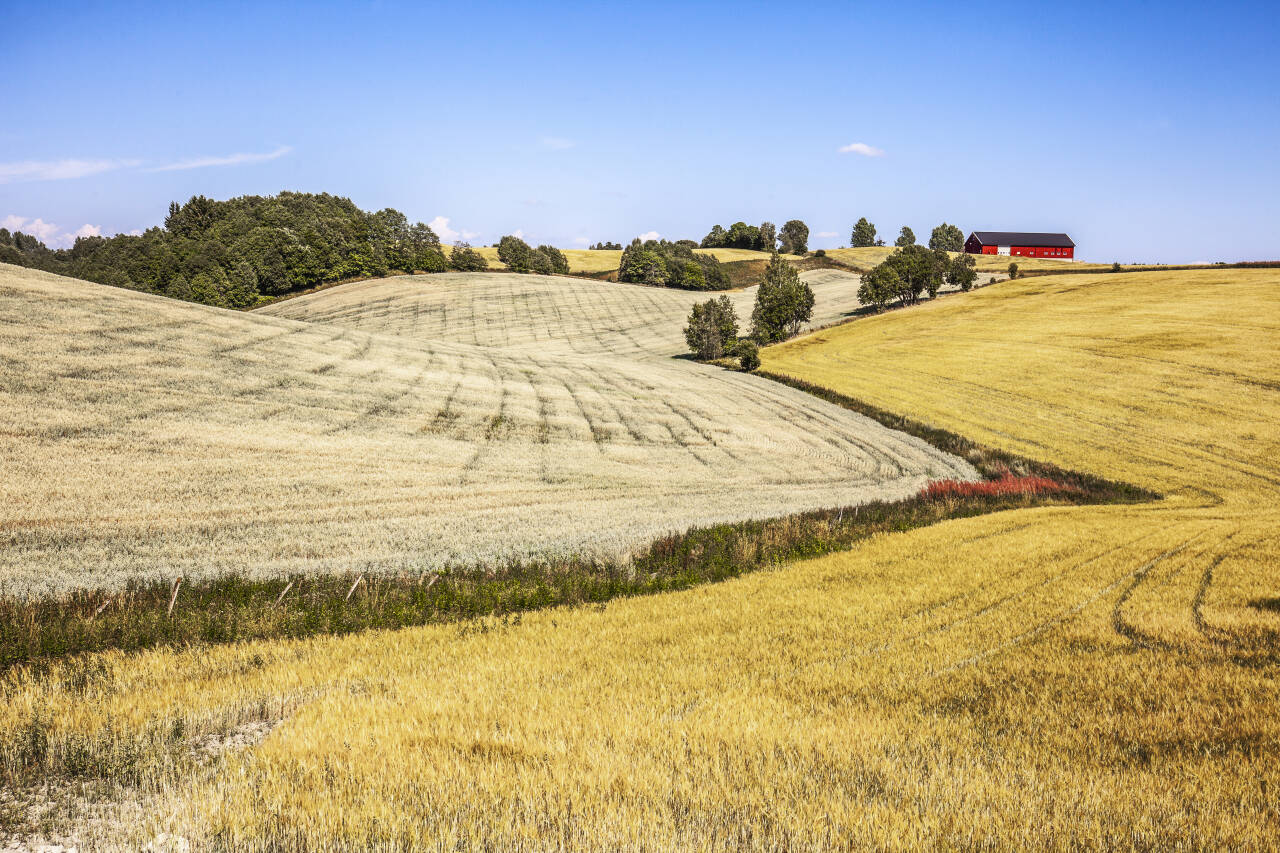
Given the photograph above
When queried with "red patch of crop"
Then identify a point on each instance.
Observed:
(1006, 485)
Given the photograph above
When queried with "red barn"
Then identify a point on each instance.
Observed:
(1024, 244)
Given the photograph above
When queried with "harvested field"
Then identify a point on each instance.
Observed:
(1067, 677)
(453, 420)
(549, 315)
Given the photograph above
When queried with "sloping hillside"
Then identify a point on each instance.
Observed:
(1053, 678)
(143, 437)
(549, 315)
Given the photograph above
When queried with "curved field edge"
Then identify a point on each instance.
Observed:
(233, 608)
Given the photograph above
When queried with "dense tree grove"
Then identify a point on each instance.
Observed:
(519, 256)
(794, 238)
(740, 235)
(947, 237)
(912, 271)
(784, 303)
(864, 235)
(665, 264)
(617, 247)
(237, 252)
(906, 237)
(713, 328)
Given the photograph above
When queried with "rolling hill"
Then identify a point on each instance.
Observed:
(410, 423)
(1058, 677)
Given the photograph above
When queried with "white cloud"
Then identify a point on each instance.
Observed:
(228, 160)
(650, 235)
(519, 232)
(48, 232)
(862, 148)
(58, 170)
(557, 143)
(448, 234)
(827, 234)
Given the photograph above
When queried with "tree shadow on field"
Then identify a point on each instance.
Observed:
(1270, 604)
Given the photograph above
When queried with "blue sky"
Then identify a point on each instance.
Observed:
(1149, 132)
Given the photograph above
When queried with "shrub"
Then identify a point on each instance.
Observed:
(820, 253)
(1115, 267)
(748, 355)
(1006, 485)
(1013, 270)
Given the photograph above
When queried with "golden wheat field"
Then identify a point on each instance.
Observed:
(405, 424)
(1099, 677)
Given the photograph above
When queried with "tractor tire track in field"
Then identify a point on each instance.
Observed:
(1064, 615)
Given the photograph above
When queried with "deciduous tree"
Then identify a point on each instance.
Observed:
(949, 238)
(794, 237)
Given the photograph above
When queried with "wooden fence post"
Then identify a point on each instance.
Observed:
(173, 598)
(283, 593)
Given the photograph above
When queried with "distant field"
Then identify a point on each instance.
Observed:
(599, 261)
(1090, 677)
(606, 260)
(403, 424)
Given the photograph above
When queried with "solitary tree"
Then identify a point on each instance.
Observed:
(783, 303)
(864, 234)
(949, 238)
(906, 237)
(1013, 270)
(794, 237)
(712, 329)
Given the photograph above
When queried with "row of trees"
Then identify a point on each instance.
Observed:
(614, 246)
(237, 252)
(666, 264)
(914, 270)
(792, 239)
(783, 305)
(946, 237)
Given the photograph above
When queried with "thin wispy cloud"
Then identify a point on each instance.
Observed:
(827, 234)
(58, 170)
(862, 149)
(557, 143)
(228, 160)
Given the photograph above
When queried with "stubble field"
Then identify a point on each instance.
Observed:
(1059, 677)
(401, 425)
